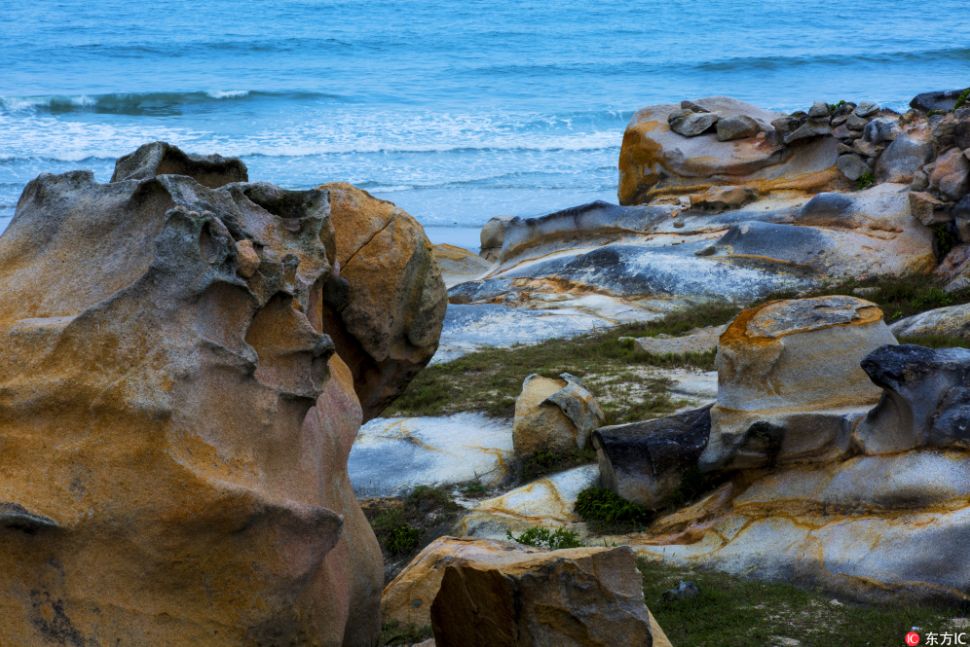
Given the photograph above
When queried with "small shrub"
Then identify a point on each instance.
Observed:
(962, 99)
(473, 489)
(403, 539)
(945, 238)
(545, 538)
(865, 181)
(604, 510)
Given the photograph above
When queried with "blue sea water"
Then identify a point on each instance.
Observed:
(457, 110)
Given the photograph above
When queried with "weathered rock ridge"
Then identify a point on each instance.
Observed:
(175, 420)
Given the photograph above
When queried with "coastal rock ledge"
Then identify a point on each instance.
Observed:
(175, 420)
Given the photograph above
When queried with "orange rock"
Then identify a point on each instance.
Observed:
(386, 326)
(174, 437)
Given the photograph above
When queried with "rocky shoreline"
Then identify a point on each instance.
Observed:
(189, 357)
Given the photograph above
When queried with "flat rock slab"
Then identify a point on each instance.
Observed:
(547, 502)
(951, 321)
(392, 455)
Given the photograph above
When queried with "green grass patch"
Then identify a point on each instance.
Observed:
(545, 538)
(606, 512)
(865, 181)
(489, 380)
(736, 612)
(935, 341)
(962, 99)
(537, 465)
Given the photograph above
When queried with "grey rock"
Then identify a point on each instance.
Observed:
(838, 120)
(852, 166)
(736, 127)
(902, 159)
(855, 122)
(842, 132)
(693, 107)
(879, 131)
(920, 182)
(953, 130)
(691, 124)
(867, 149)
(161, 158)
(808, 130)
(844, 148)
(818, 109)
(866, 109)
(646, 462)
(943, 100)
(826, 208)
(926, 401)
(949, 321)
(785, 125)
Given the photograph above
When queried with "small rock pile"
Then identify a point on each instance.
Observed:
(862, 129)
(941, 188)
(693, 119)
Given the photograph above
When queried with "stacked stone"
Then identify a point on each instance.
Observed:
(940, 194)
(863, 130)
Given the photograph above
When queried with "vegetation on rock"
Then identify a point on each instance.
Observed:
(607, 512)
(545, 538)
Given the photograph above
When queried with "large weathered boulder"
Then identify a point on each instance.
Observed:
(576, 597)
(950, 321)
(655, 160)
(175, 424)
(790, 387)
(939, 100)
(386, 324)
(926, 399)
(554, 415)
(408, 597)
(903, 158)
(648, 461)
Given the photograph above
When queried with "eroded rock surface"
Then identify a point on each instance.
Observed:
(577, 597)
(408, 598)
(387, 322)
(175, 423)
(790, 385)
(554, 415)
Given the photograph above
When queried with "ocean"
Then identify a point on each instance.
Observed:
(456, 110)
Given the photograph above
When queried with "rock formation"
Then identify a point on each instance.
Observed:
(175, 421)
(466, 589)
(789, 382)
(554, 414)
(869, 458)
(950, 321)
(386, 324)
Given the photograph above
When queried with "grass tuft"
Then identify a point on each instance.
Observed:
(606, 512)
(732, 611)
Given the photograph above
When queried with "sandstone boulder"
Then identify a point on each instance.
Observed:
(950, 321)
(737, 127)
(655, 161)
(647, 462)
(926, 400)
(386, 323)
(191, 423)
(554, 414)
(790, 387)
(409, 597)
(577, 597)
(688, 123)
